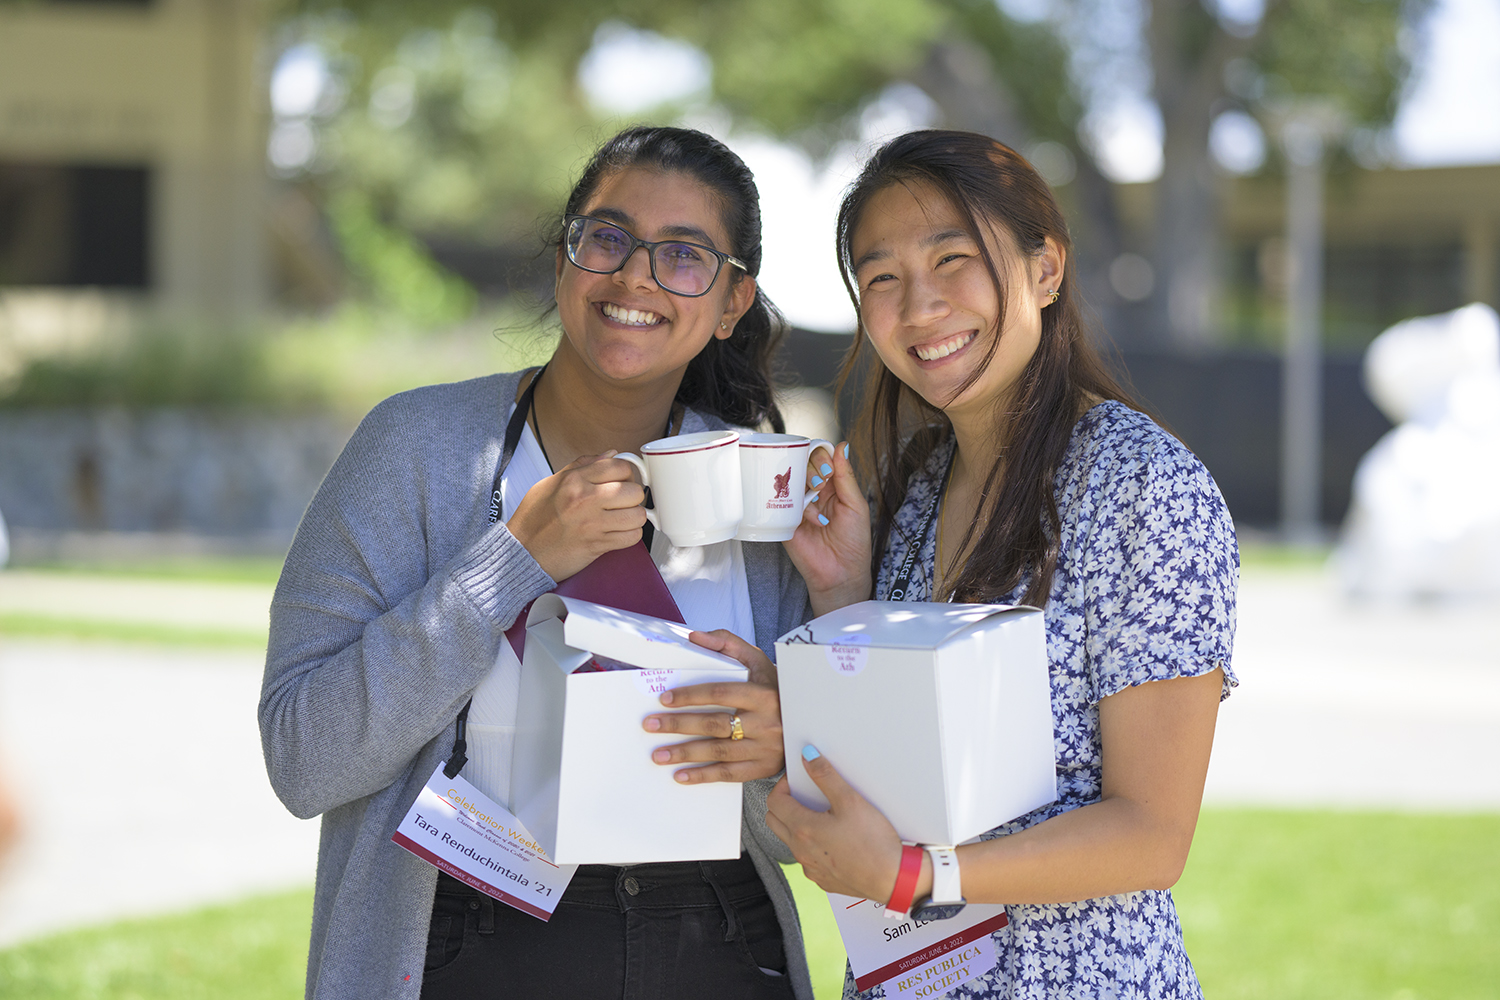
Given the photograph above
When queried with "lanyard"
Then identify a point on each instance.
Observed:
(513, 429)
(460, 755)
(900, 588)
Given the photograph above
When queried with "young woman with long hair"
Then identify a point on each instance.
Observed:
(1006, 465)
(454, 506)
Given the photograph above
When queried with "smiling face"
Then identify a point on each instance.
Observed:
(930, 306)
(623, 327)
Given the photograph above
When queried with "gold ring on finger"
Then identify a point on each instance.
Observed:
(736, 728)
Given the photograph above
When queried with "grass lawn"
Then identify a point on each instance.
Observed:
(246, 951)
(209, 568)
(55, 627)
(1344, 905)
(1276, 905)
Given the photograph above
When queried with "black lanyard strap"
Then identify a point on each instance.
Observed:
(460, 755)
(900, 589)
(513, 431)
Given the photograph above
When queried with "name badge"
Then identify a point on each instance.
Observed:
(915, 958)
(458, 828)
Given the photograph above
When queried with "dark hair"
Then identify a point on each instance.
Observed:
(1017, 523)
(730, 378)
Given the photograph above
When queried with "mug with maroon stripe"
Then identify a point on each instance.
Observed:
(773, 475)
(694, 481)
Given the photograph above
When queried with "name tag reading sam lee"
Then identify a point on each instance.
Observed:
(458, 828)
(917, 959)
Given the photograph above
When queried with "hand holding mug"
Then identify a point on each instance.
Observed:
(776, 471)
(577, 514)
(831, 548)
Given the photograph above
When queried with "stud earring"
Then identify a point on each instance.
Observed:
(1053, 296)
(723, 326)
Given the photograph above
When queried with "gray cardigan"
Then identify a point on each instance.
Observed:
(390, 610)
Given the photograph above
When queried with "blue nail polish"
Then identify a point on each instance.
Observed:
(823, 520)
(817, 480)
(810, 752)
(846, 450)
(826, 469)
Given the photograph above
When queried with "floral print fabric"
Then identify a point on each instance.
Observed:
(1144, 590)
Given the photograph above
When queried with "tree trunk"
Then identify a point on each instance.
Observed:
(1188, 53)
(960, 78)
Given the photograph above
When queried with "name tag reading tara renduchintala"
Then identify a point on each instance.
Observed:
(458, 828)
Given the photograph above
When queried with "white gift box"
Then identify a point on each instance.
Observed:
(939, 714)
(582, 778)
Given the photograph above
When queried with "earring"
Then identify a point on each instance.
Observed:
(723, 326)
(1053, 296)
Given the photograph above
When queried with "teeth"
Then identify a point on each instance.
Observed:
(631, 317)
(942, 350)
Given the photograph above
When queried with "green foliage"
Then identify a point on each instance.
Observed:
(152, 368)
(789, 65)
(346, 362)
(1349, 50)
(394, 267)
(454, 130)
(203, 568)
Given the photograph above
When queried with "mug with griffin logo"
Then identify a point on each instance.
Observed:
(773, 475)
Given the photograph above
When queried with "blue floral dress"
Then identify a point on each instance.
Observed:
(1144, 590)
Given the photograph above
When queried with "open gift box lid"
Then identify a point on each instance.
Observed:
(639, 640)
(582, 778)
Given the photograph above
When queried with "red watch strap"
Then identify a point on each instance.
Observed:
(906, 881)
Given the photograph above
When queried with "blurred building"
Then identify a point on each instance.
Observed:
(132, 151)
(1399, 243)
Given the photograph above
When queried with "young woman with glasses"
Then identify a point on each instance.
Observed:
(1007, 466)
(391, 611)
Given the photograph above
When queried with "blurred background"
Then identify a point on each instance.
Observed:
(229, 227)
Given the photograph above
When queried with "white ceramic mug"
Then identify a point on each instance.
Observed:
(695, 485)
(773, 474)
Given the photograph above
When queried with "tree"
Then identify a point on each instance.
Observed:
(799, 69)
(1204, 62)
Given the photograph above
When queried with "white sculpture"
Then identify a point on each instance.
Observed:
(1425, 516)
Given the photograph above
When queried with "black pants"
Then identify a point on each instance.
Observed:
(645, 932)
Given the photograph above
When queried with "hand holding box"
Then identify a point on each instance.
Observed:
(939, 714)
(582, 779)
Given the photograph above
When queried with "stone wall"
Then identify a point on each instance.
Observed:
(183, 471)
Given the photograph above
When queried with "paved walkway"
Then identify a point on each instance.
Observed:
(1370, 706)
(139, 775)
(139, 768)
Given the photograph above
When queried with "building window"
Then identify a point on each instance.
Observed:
(74, 225)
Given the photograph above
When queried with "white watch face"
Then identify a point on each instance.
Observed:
(946, 884)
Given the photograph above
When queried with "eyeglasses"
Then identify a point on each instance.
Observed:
(685, 269)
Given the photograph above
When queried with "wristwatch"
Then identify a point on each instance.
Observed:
(947, 897)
